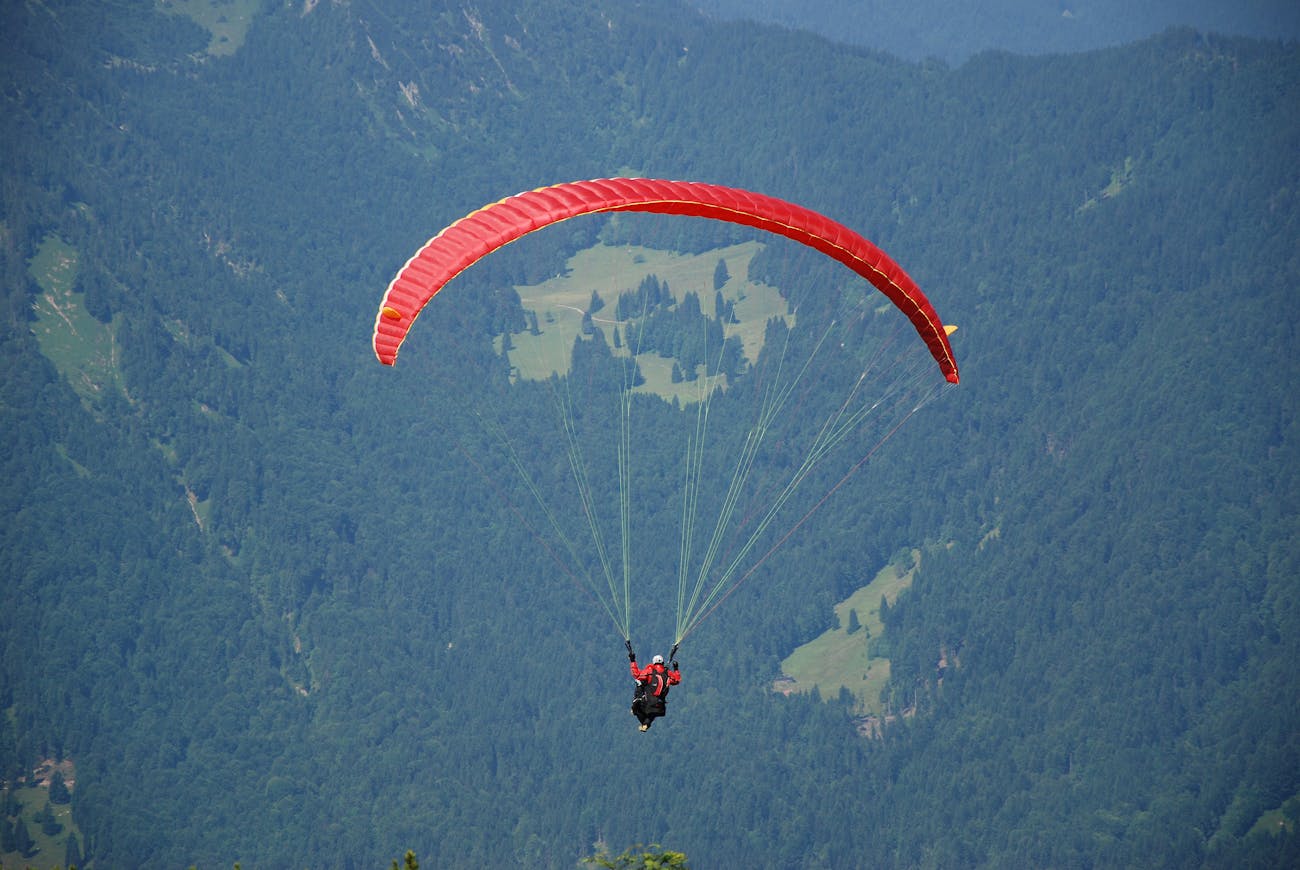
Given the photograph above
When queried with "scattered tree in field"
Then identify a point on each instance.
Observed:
(72, 852)
(59, 793)
(23, 839)
(720, 275)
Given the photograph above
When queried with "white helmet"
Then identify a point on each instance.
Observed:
(659, 660)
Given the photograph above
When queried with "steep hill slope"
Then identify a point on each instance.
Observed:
(262, 599)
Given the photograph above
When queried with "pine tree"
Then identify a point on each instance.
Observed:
(50, 825)
(732, 363)
(23, 840)
(720, 275)
(854, 625)
(59, 793)
(72, 852)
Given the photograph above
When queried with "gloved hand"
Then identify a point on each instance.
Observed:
(674, 666)
(631, 656)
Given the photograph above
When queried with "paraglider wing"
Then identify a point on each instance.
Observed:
(474, 236)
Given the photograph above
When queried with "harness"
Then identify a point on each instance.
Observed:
(655, 688)
(658, 683)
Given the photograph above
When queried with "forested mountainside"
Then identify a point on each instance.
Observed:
(260, 599)
(955, 31)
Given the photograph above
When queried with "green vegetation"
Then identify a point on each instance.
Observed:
(560, 302)
(226, 20)
(81, 348)
(639, 858)
(1282, 820)
(1120, 178)
(46, 825)
(850, 655)
(280, 603)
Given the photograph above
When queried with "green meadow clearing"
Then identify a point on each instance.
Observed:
(226, 20)
(839, 658)
(81, 348)
(49, 847)
(609, 270)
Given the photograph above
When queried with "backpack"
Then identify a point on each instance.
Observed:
(653, 691)
(657, 683)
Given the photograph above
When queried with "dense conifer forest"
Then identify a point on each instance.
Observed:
(259, 607)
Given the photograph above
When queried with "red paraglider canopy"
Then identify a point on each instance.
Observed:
(476, 235)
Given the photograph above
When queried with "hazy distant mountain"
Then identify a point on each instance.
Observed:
(953, 30)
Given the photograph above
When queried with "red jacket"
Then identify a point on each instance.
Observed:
(647, 676)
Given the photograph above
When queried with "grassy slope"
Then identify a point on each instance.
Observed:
(226, 20)
(836, 659)
(49, 850)
(81, 348)
(611, 270)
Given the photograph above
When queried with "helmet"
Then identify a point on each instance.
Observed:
(659, 660)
